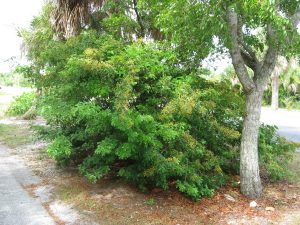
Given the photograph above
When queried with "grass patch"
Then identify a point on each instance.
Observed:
(294, 167)
(297, 144)
(150, 202)
(15, 135)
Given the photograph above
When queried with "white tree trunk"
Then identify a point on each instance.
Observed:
(249, 164)
(275, 92)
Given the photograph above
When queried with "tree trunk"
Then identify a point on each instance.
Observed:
(249, 165)
(275, 92)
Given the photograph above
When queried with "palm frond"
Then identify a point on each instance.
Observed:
(70, 16)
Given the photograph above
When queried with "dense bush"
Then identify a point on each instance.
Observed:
(132, 111)
(21, 104)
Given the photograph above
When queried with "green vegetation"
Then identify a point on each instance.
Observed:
(289, 89)
(293, 166)
(150, 201)
(141, 110)
(13, 79)
(275, 153)
(21, 104)
(147, 121)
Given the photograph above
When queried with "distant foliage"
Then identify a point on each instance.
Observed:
(13, 79)
(289, 90)
(21, 104)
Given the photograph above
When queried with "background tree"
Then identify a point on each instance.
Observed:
(278, 69)
(282, 68)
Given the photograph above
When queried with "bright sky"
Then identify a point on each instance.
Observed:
(14, 14)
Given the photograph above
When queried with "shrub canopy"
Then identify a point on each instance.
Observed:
(131, 110)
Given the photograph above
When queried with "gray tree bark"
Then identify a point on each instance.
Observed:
(249, 164)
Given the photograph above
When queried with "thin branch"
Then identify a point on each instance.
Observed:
(138, 17)
(295, 19)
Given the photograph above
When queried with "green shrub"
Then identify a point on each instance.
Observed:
(275, 153)
(21, 104)
(60, 149)
(131, 110)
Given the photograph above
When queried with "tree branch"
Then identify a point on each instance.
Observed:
(271, 55)
(138, 17)
(249, 61)
(269, 60)
(235, 52)
(295, 19)
(250, 52)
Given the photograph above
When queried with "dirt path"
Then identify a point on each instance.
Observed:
(17, 207)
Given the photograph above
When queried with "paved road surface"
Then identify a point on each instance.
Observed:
(287, 121)
(17, 207)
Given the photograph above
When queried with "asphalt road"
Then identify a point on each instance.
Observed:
(287, 121)
(17, 207)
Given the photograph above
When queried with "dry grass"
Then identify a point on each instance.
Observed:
(295, 168)
(15, 135)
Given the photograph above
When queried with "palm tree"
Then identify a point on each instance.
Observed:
(69, 16)
(280, 66)
(290, 85)
(288, 68)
